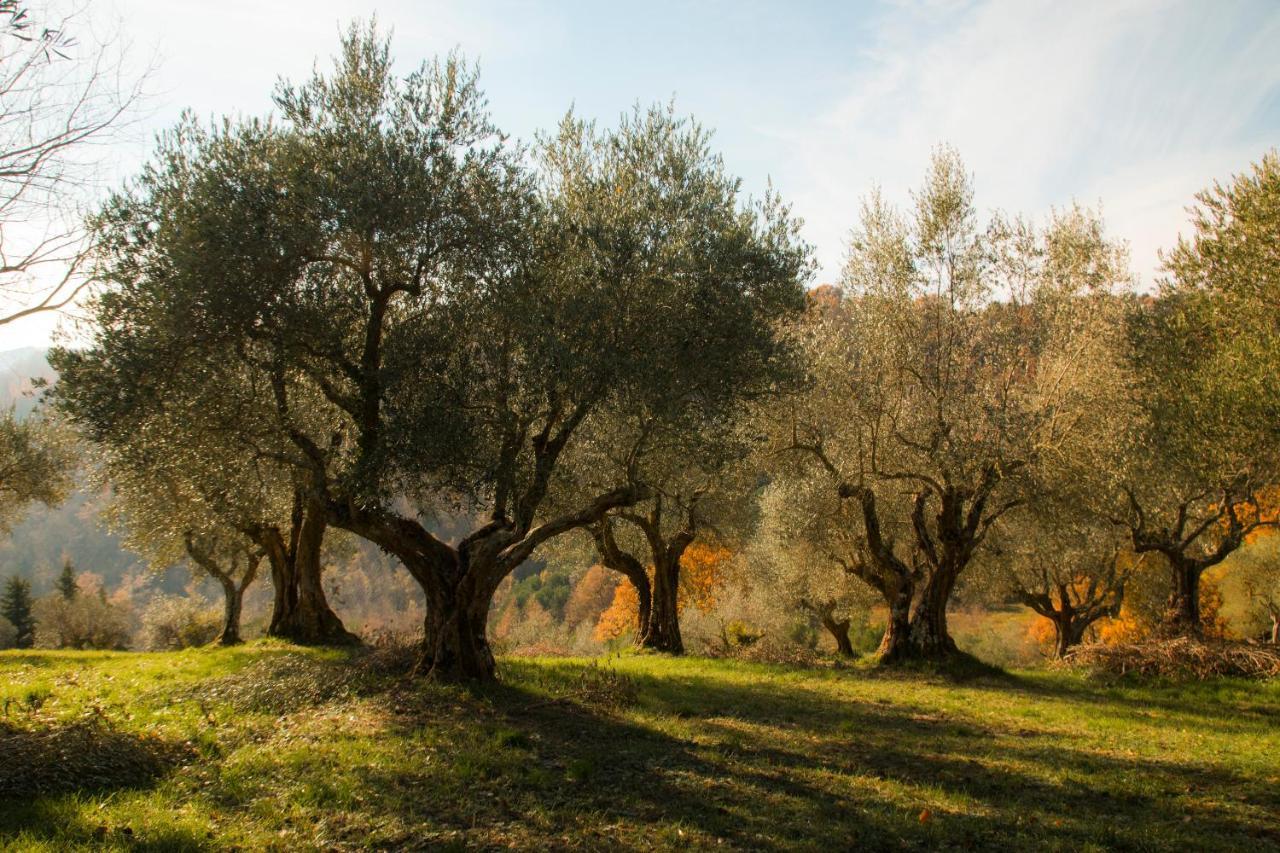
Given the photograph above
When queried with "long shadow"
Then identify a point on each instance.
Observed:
(82, 756)
(536, 762)
(748, 791)
(1186, 700)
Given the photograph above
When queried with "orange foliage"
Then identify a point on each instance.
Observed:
(620, 616)
(590, 597)
(1135, 625)
(703, 570)
(1041, 631)
(1267, 508)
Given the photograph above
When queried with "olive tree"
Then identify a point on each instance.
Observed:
(37, 457)
(800, 555)
(1068, 566)
(177, 498)
(1205, 449)
(190, 453)
(959, 358)
(699, 490)
(430, 324)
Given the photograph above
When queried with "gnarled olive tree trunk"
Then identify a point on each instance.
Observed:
(1183, 615)
(1077, 606)
(233, 584)
(837, 628)
(928, 636)
(300, 611)
(459, 582)
(662, 633)
(614, 558)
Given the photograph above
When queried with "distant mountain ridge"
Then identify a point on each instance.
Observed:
(18, 367)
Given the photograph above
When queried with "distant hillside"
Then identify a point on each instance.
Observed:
(17, 368)
(36, 546)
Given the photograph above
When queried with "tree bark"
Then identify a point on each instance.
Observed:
(1275, 627)
(455, 644)
(895, 644)
(929, 637)
(662, 632)
(1184, 601)
(233, 604)
(839, 631)
(301, 612)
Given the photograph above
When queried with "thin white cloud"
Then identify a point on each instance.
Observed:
(1134, 105)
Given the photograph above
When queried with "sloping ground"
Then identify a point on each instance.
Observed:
(272, 747)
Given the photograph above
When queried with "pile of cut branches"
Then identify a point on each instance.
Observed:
(1182, 658)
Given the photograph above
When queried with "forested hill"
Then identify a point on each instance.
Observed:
(36, 546)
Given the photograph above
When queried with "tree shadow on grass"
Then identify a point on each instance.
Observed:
(1198, 701)
(759, 768)
(56, 824)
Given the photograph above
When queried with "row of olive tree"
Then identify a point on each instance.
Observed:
(999, 400)
(376, 311)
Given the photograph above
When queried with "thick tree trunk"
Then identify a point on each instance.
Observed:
(455, 645)
(663, 629)
(929, 635)
(233, 604)
(895, 645)
(301, 612)
(644, 603)
(839, 631)
(1184, 601)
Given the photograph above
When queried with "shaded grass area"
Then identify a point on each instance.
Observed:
(283, 748)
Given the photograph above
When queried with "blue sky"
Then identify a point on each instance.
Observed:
(1133, 105)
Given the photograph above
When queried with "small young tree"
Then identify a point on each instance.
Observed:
(66, 583)
(15, 607)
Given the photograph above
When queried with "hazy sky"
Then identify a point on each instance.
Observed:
(1133, 105)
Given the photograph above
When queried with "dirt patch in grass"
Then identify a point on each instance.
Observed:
(88, 754)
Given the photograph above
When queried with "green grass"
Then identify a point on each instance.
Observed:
(273, 747)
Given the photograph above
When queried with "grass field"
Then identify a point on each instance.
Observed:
(274, 747)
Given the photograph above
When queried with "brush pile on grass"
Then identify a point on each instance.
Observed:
(283, 684)
(86, 754)
(1182, 658)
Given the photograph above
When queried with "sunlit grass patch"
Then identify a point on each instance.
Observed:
(297, 749)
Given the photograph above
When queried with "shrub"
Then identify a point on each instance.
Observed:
(178, 622)
(83, 622)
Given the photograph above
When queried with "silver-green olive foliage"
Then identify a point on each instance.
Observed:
(426, 314)
(37, 457)
(1206, 444)
(960, 361)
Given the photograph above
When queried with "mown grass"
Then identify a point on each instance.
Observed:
(274, 747)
